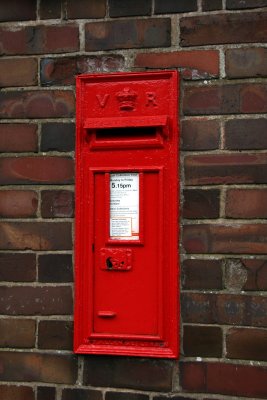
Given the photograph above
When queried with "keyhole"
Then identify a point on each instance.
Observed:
(109, 263)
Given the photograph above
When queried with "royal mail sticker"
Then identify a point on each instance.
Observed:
(124, 206)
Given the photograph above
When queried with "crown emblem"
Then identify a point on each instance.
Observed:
(126, 99)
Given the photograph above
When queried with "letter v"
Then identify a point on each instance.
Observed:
(102, 100)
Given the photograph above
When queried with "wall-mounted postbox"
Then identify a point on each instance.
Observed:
(126, 293)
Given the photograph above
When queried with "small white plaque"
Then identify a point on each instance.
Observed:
(124, 206)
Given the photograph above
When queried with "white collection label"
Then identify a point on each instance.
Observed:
(124, 206)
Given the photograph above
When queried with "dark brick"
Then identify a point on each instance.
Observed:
(81, 394)
(17, 267)
(35, 236)
(85, 9)
(226, 169)
(9, 392)
(246, 344)
(46, 393)
(198, 308)
(55, 335)
(256, 274)
(201, 204)
(232, 239)
(18, 137)
(174, 6)
(243, 4)
(18, 203)
(246, 134)
(176, 397)
(62, 71)
(127, 8)
(18, 71)
(57, 137)
(37, 104)
(126, 372)
(125, 396)
(55, 268)
(200, 134)
(202, 274)
(39, 39)
(50, 9)
(17, 333)
(202, 341)
(211, 5)
(246, 63)
(127, 34)
(42, 170)
(17, 11)
(57, 204)
(30, 367)
(194, 64)
(28, 300)
(223, 29)
(246, 203)
(226, 379)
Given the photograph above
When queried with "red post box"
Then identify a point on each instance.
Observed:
(126, 252)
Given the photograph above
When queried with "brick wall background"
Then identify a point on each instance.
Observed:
(219, 47)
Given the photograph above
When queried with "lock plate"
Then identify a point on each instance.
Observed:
(116, 259)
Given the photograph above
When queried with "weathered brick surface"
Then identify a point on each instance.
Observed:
(17, 11)
(246, 63)
(39, 39)
(202, 341)
(16, 392)
(29, 367)
(62, 71)
(46, 393)
(37, 104)
(246, 344)
(243, 4)
(18, 203)
(18, 137)
(173, 6)
(57, 137)
(55, 335)
(81, 394)
(246, 203)
(85, 9)
(200, 134)
(17, 267)
(57, 204)
(245, 134)
(256, 274)
(202, 274)
(18, 72)
(55, 268)
(50, 9)
(201, 204)
(223, 28)
(42, 170)
(17, 332)
(125, 34)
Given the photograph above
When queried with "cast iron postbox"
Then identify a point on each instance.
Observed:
(126, 294)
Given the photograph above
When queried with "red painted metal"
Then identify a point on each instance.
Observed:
(126, 267)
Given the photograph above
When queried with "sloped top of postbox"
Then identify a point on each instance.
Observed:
(127, 94)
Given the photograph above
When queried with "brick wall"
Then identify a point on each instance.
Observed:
(219, 48)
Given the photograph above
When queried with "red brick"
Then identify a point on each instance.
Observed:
(232, 239)
(201, 204)
(194, 64)
(18, 203)
(226, 169)
(246, 63)
(55, 268)
(17, 11)
(29, 300)
(37, 104)
(202, 341)
(128, 372)
(211, 5)
(223, 29)
(9, 392)
(18, 72)
(128, 8)
(246, 203)
(57, 204)
(30, 367)
(243, 4)
(17, 332)
(46, 393)
(200, 134)
(246, 344)
(18, 137)
(202, 274)
(174, 6)
(226, 379)
(55, 335)
(82, 394)
(42, 170)
(35, 236)
(256, 274)
(245, 134)
(50, 9)
(17, 267)
(85, 9)
(62, 70)
(253, 99)
(39, 39)
(128, 34)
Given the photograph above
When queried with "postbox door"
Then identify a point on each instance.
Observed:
(127, 279)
